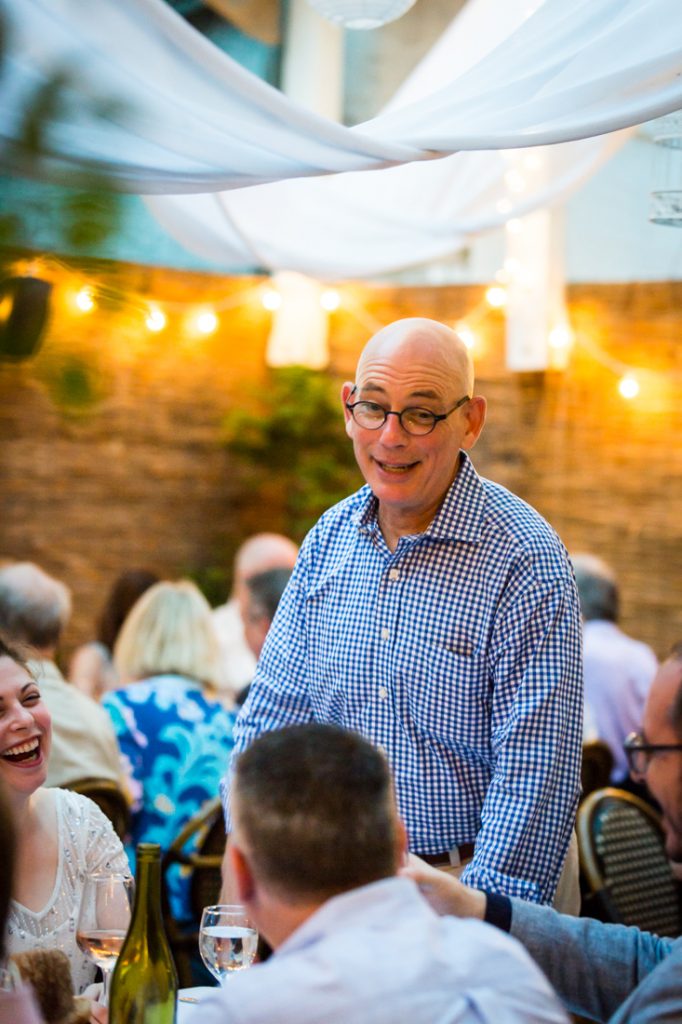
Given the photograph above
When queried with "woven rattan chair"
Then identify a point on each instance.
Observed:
(109, 797)
(623, 860)
(203, 861)
(597, 765)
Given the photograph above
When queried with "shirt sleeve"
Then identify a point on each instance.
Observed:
(278, 695)
(593, 966)
(536, 735)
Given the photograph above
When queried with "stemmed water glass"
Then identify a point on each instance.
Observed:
(227, 940)
(103, 920)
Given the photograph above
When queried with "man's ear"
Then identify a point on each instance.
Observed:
(346, 392)
(401, 844)
(475, 417)
(241, 873)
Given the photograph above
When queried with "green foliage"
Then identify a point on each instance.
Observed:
(292, 442)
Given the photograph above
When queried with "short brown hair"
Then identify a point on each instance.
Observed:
(315, 807)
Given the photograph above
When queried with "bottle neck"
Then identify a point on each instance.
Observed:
(148, 886)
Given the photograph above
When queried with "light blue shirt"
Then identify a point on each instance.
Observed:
(380, 955)
(459, 654)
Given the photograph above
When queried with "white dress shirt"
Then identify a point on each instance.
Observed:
(238, 662)
(618, 674)
(380, 955)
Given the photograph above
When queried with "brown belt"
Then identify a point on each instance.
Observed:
(449, 857)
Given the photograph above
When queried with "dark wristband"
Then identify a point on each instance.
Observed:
(498, 911)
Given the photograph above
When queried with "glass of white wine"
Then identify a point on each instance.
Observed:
(103, 920)
(227, 940)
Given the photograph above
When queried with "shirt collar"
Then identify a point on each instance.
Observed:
(389, 896)
(459, 518)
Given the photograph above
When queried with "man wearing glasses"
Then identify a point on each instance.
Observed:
(435, 613)
(606, 972)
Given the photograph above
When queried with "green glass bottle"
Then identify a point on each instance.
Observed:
(144, 984)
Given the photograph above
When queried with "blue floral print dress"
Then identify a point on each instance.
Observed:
(175, 745)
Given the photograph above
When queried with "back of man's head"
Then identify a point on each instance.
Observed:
(34, 607)
(314, 812)
(264, 551)
(597, 588)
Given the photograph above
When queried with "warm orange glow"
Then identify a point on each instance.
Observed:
(466, 334)
(206, 322)
(628, 386)
(560, 336)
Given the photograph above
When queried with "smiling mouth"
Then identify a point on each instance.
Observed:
(23, 753)
(397, 468)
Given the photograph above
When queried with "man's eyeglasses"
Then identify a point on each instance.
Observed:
(639, 752)
(413, 420)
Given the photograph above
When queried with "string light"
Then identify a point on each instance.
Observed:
(206, 322)
(271, 299)
(496, 297)
(156, 319)
(330, 300)
(84, 299)
(561, 336)
(628, 386)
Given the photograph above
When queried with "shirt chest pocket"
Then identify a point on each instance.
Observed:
(447, 695)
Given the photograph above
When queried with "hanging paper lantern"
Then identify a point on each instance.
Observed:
(361, 13)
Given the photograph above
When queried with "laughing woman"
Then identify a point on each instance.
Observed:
(61, 836)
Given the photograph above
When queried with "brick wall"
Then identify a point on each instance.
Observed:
(136, 476)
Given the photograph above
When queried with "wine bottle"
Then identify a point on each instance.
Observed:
(144, 983)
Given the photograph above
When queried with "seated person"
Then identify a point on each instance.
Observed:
(34, 610)
(313, 856)
(91, 669)
(61, 836)
(259, 601)
(175, 735)
(606, 972)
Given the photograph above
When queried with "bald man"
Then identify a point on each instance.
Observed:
(436, 614)
(260, 553)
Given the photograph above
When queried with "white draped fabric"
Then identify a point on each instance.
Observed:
(189, 124)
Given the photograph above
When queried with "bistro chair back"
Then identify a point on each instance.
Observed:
(205, 831)
(110, 799)
(624, 864)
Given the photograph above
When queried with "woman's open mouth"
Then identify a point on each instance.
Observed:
(26, 754)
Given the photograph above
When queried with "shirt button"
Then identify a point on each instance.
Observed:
(385, 633)
(394, 574)
(383, 692)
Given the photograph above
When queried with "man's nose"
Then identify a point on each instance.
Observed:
(393, 432)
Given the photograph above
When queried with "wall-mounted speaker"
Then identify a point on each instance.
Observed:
(24, 307)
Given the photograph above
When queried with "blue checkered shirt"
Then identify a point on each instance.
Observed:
(460, 655)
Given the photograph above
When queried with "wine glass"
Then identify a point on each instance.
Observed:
(227, 940)
(103, 920)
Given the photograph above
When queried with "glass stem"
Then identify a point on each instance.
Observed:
(106, 978)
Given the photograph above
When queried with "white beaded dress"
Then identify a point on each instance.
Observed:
(87, 842)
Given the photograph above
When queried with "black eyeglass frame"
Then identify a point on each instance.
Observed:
(635, 745)
(436, 416)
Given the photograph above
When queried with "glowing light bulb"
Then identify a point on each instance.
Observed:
(466, 334)
(330, 300)
(84, 299)
(156, 319)
(271, 299)
(496, 297)
(628, 386)
(560, 336)
(206, 322)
